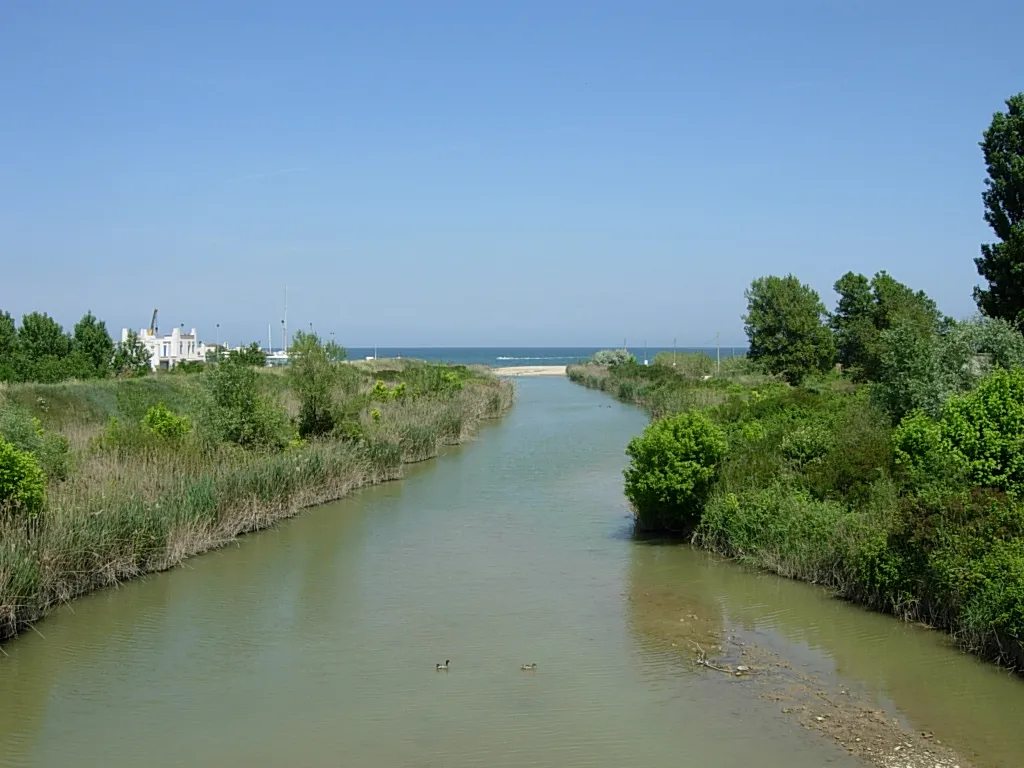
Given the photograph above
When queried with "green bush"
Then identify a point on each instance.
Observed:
(22, 483)
(806, 444)
(674, 463)
(777, 524)
(162, 422)
(986, 427)
(237, 411)
(27, 434)
(613, 357)
(313, 376)
(980, 435)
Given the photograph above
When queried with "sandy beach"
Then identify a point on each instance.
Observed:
(531, 370)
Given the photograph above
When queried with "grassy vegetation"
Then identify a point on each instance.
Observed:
(920, 517)
(142, 473)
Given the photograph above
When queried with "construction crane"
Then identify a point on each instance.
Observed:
(152, 324)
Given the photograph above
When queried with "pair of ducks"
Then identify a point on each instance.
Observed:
(525, 667)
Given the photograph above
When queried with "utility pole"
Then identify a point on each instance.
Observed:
(673, 352)
(285, 321)
(718, 356)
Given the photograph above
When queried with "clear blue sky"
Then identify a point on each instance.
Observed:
(477, 173)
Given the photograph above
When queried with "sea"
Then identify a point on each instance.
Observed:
(501, 357)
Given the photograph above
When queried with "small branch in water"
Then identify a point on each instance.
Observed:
(702, 660)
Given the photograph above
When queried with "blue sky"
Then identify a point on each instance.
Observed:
(477, 173)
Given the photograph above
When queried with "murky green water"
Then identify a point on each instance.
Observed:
(315, 644)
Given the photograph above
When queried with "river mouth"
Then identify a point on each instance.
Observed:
(316, 643)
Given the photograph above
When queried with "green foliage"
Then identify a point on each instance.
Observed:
(162, 422)
(313, 375)
(26, 434)
(911, 375)
(784, 324)
(94, 344)
(8, 347)
(186, 367)
(381, 392)
(673, 465)
(986, 428)
(866, 309)
(1001, 263)
(22, 483)
(239, 412)
(131, 358)
(613, 357)
(253, 355)
(807, 443)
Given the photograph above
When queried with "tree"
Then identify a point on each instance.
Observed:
(852, 322)
(1002, 264)
(786, 330)
(43, 348)
(92, 341)
(253, 355)
(922, 371)
(131, 358)
(313, 375)
(674, 463)
(8, 347)
(237, 410)
(868, 308)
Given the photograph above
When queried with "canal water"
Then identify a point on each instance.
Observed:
(315, 644)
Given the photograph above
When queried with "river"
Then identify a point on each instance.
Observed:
(315, 644)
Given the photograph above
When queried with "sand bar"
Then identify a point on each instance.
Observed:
(531, 370)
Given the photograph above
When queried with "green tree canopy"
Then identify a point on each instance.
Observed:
(41, 337)
(313, 375)
(866, 309)
(92, 341)
(131, 358)
(1001, 264)
(43, 349)
(251, 355)
(786, 329)
(8, 346)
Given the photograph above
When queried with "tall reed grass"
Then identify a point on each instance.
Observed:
(120, 514)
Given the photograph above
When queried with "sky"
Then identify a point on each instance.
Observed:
(488, 173)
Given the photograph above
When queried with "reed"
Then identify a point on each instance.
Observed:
(145, 504)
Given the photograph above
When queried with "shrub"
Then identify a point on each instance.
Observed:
(27, 434)
(380, 393)
(163, 423)
(806, 444)
(313, 375)
(238, 412)
(613, 357)
(986, 427)
(674, 463)
(22, 482)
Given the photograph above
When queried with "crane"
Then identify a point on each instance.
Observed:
(152, 324)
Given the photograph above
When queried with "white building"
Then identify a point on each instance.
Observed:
(167, 351)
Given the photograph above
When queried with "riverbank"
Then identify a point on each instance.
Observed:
(809, 488)
(143, 473)
(531, 370)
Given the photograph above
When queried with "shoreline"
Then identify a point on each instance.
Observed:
(236, 502)
(530, 370)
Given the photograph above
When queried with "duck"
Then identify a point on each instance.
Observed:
(445, 665)
(529, 666)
